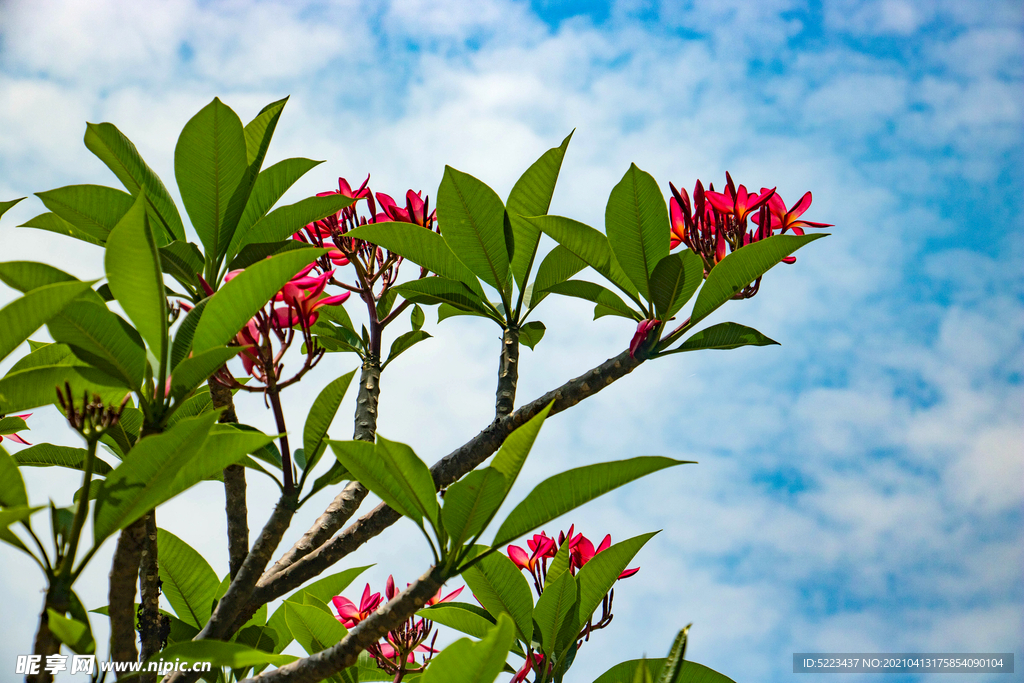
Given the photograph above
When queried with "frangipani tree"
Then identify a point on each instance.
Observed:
(146, 358)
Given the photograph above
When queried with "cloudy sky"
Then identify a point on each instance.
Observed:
(860, 488)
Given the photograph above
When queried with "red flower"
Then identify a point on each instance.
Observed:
(532, 660)
(349, 615)
(640, 336)
(584, 552)
(541, 547)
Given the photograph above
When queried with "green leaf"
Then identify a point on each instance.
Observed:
(470, 504)
(723, 336)
(587, 244)
(689, 672)
(334, 475)
(120, 155)
(601, 296)
(50, 455)
(4, 206)
(187, 580)
(102, 339)
(558, 266)
(675, 279)
(270, 186)
(673, 668)
(183, 261)
(182, 344)
(230, 308)
(330, 586)
(510, 458)
(146, 476)
(51, 222)
(71, 632)
(642, 673)
(23, 316)
(467, 662)
(501, 588)
(12, 486)
(461, 616)
(559, 563)
(220, 653)
(437, 290)
(25, 276)
(742, 267)
(472, 219)
(93, 209)
(285, 221)
(260, 130)
(133, 271)
(314, 630)
(192, 372)
(531, 333)
(403, 343)
(33, 387)
(598, 576)
(14, 515)
(421, 246)
(320, 417)
(554, 606)
(531, 196)
(394, 472)
(568, 490)
(636, 220)
(210, 165)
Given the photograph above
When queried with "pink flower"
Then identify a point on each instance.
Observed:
(349, 615)
(448, 598)
(640, 336)
(541, 547)
(584, 552)
(14, 437)
(738, 202)
(783, 220)
(532, 660)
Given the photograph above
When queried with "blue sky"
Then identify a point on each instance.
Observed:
(860, 488)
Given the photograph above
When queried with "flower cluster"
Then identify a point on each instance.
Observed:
(399, 648)
(372, 263)
(716, 222)
(543, 548)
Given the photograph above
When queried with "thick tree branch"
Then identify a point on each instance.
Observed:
(235, 505)
(445, 471)
(124, 573)
(344, 654)
(508, 373)
(152, 624)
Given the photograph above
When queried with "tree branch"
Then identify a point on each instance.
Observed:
(508, 373)
(124, 573)
(151, 623)
(235, 505)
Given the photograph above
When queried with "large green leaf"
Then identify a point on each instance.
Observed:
(94, 209)
(558, 266)
(554, 606)
(568, 490)
(437, 290)
(120, 155)
(183, 261)
(135, 276)
(220, 653)
(636, 221)
(146, 476)
(689, 672)
(326, 588)
(510, 458)
(311, 628)
(226, 445)
(210, 164)
(500, 587)
(285, 221)
(675, 279)
(187, 580)
(587, 244)
(467, 662)
(395, 473)
(50, 455)
(470, 503)
(461, 616)
(270, 186)
(598, 576)
(32, 387)
(25, 276)
(23, 316)
(230, 308)
(724, 336)
(102, 339)
(182, 344)
(12, 486)
(320, 417)
(473, 224)
(743, 266)
(421, 246)
(602, 296)
(72, 633)
(51, 222)
(531, 196)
